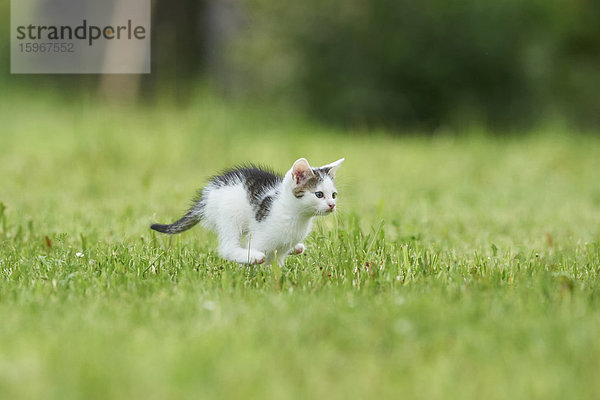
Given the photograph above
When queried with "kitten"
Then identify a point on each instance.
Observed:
(269, 213)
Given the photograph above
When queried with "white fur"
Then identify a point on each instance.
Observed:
(228, 212)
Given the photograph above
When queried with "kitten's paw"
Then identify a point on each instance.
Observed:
(298, 249)
(244, 256)
(256, 257)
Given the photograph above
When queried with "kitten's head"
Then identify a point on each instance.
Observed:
(314, 188)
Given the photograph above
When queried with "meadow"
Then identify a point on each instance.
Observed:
(458, 266)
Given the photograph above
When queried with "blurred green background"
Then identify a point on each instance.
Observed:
(403, 65)
(464, 259)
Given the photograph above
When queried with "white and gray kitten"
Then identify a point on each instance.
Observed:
(258, 214)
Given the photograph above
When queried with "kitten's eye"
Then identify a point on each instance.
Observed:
(319, 195)
(334, 195)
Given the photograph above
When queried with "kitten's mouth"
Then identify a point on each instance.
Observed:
(328, 211)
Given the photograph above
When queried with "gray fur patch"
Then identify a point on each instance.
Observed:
(311, 184)
(264, 208)
(320, 173)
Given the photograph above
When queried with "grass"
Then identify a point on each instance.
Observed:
(457, 267)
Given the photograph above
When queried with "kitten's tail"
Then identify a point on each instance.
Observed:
(191, 218)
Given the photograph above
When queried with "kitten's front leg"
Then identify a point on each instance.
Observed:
(298, 249)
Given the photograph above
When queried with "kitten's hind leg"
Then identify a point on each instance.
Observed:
(230, 229)
(243, 256)
(230, 249)
(298, 249)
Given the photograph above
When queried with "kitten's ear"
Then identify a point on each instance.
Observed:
(331, 168)
(301, 171)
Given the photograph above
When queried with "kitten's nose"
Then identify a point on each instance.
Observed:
(331, 206)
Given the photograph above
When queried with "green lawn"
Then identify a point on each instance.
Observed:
(457, 267)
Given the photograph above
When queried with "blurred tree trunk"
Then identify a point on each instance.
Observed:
(121, 88)
(224, 20)
(178, 46)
